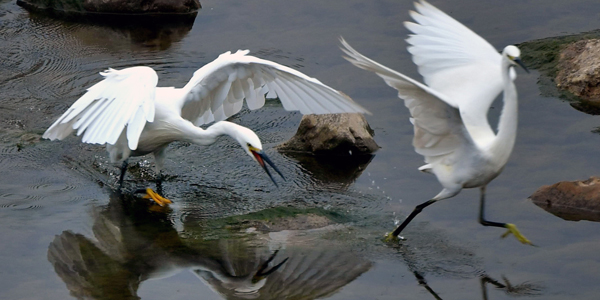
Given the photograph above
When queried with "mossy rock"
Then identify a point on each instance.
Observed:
(544, 56)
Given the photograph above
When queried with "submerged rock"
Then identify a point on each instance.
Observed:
(340, 134)
(571, 200)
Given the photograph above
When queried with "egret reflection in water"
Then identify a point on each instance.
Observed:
(131, 244)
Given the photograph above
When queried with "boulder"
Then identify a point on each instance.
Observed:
(579, 73)
(571, 200)
(339, 134)
(567, 55)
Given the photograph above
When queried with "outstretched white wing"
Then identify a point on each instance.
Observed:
(438, 127)
(217, 90)
(445, 50)
(457, 63)
(124, 100)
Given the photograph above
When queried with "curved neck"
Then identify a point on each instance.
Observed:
(507, 125)
(197, 135)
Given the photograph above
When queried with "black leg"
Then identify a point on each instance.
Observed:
(412, 215)
(123, 171)
(159, 180)
(512, 229)
(482, 219)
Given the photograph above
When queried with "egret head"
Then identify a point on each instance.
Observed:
(253, 147)
(513, 54)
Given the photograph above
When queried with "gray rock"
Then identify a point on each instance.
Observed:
(339, 134)
(571, 200)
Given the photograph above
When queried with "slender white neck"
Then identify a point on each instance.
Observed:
(507, 125)
(197, 135)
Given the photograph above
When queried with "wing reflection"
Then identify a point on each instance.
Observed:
(131, 244)
(306, 274)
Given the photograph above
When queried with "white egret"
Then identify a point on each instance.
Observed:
(463, 75)
(133, 117)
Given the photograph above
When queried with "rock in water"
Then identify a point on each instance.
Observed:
(571, 200)
(579, 72)
(338, 134)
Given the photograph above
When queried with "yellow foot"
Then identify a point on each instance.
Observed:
(391, 238)
(512, 228)
(150, 194)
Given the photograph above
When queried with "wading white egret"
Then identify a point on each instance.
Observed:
(133, 117)
(463, 75)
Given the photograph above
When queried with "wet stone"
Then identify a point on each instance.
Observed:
(571, 200)
(567, 68)
(338, 134)
(579, 71)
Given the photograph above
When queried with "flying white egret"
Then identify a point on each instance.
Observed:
(133, 117)
(464, 74)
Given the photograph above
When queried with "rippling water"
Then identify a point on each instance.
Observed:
(64, 232)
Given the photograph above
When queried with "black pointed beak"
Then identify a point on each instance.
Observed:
(520, 63)
(262, 158)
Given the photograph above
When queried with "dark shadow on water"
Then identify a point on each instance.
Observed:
(156, 31)
(518, 290)
(570, 213)
(457, 262)
(342, 170)
(134, 241)
(525, 289)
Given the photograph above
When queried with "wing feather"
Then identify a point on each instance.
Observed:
(304, 91)
(238, 90)
(234, 77)
(457, 63)
(438, 128)
(124, 100)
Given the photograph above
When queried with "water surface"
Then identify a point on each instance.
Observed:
(65, 232)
